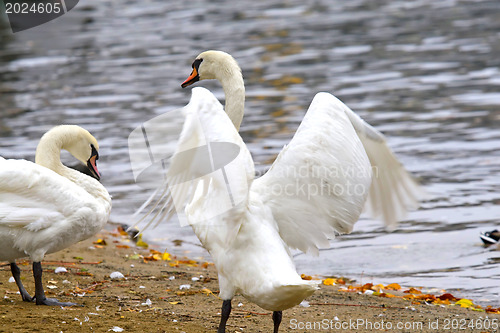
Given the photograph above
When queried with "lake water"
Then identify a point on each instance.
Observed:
(426, 73)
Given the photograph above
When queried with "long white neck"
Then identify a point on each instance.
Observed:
(234, 89)
(48, 154)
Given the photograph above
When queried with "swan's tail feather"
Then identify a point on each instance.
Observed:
(286, 296)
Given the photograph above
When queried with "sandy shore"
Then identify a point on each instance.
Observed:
(162, 293)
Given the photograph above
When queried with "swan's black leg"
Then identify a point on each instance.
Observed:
(16, 273)
(39, 293)
(277, 315)
(224, 316)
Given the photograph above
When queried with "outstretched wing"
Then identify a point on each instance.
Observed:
(393, 191)
(319, 182)
(208, 175)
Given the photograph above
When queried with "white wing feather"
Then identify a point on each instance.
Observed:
(333, 137)
(194, 181)
(34, 197)
(319, 182)
(393, 192)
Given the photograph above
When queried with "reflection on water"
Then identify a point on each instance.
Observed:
(425, 72)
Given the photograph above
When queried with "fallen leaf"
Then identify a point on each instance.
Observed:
(100, 241)
(135, 256)
(366, 286)
(141, 243)
(441, 301)
(448, 296)
(412, 291)
(465, 303)
(207, 291)
(393, 286)
(206, 264)
(329, 282)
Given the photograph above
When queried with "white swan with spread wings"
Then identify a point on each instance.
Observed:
(316, 188)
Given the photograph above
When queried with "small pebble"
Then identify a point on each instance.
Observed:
(116, 276)
(60, 270)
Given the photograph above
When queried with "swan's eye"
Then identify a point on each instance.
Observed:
(196, 64)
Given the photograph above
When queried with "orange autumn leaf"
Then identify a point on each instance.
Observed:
(153, 257)
(366, 286)
(425, 297)
(191, 263)
(412, 291)
(490, 309)
(206, 264)
(122, 246)
(329, 282)
(306, 277)
(439, 302)
(448, 296)
(393, 286)
(207, 291)
(100, 241)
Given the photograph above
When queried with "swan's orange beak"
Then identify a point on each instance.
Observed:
(191, 79)
(91, 163)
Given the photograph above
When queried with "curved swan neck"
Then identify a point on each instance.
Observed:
(234, 89)
(48, 152)
(228, 73)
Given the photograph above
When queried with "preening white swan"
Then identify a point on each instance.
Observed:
(46, 206)
(334, 166)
